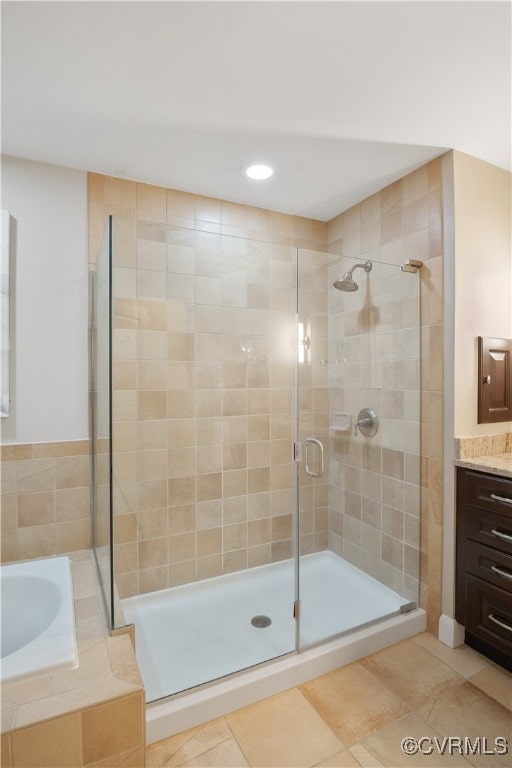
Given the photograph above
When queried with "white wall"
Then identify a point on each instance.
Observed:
(49, 289)
(477, 302)
(483, 278)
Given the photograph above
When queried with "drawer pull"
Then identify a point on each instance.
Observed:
(499, 623)
(505, 574)
(501, 498)
(500, 535)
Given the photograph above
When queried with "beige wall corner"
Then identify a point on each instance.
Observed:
(483, 278)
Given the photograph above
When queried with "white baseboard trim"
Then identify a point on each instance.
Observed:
(451, 633)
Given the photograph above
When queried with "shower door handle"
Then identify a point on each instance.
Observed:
(311, 472)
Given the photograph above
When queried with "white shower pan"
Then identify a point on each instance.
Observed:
(189, 635)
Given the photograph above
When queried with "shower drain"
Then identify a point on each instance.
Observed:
(261, 622)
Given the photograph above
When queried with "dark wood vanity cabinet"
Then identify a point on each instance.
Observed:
(483, 595)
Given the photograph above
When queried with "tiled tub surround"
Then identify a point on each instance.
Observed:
(403, 221)
(90, 716)
(45, 496)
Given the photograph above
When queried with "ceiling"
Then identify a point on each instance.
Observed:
(341, 97)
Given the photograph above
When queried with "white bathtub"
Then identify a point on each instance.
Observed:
(37, 618)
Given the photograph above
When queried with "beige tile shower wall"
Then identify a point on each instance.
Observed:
(204, 349)
(373, 516)
(45, 499)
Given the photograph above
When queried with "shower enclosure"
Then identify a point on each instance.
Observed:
(257, 447)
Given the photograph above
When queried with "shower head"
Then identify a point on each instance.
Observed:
(346, 281)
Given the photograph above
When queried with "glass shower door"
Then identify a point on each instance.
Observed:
(203, 422)
(358, 386)
(101, 417)
(313, 446)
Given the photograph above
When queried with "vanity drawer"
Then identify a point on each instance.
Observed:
(488, 528)
(489, 614)
(490, 565)
(488, 492)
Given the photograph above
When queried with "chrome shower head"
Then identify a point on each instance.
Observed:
(346, 281)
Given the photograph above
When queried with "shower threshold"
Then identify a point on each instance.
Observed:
(200, 632)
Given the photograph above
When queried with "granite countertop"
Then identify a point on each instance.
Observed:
(497, 464)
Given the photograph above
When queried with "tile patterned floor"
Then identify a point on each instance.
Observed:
(357, 716)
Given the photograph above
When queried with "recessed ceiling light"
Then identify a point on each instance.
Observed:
(258, 171)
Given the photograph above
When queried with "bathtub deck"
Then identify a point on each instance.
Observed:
(192, 634)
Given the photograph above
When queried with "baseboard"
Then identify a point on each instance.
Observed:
(450, 632)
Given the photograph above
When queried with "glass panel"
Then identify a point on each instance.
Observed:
(204, 498)
(101, 419)
(359, 492)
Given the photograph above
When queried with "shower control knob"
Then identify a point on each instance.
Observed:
(367, 421)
